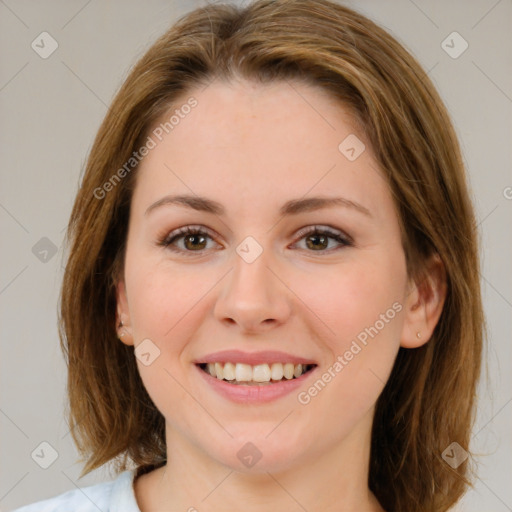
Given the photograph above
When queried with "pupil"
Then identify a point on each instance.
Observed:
(322, 237)
(192, 237)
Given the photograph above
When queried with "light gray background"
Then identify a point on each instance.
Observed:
(50, 111)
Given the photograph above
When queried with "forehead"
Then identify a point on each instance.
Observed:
(282, 114)
(249, 142)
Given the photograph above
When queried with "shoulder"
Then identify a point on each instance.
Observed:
(114, 496)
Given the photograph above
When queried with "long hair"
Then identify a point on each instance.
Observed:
(429, 399)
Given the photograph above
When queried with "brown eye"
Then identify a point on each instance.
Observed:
(194, 240)
(317, 239)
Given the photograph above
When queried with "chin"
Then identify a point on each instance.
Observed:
(259, 454)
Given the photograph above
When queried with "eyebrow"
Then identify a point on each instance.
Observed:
(292, 207)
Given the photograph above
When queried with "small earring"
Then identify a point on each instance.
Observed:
(418, 335)
(121, 334)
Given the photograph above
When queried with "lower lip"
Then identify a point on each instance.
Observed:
(254, 394)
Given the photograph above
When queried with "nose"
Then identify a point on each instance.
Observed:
(254, 296)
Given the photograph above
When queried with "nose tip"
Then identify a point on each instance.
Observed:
(252, 297)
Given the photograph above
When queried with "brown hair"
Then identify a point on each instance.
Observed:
(428, 401)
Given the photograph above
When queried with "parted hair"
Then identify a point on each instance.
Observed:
(429, 400)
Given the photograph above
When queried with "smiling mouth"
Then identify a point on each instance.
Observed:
(255, 375)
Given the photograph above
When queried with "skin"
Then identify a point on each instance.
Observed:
(253, 147)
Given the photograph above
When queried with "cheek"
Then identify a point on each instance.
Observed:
(349, 298)
(166, 307)
(169, 303)
(362, 305)
(359, 307)
(162, 302)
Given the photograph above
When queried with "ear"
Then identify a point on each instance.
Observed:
(424, 304)
(123, 324)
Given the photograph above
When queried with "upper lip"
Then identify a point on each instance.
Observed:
(252, 358)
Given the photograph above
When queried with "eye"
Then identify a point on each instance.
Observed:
(195, 239)
(317, 238)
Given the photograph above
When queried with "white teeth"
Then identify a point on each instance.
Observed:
(276, 371)
(288, 371)
(243, 372)
(219, 371)
(261, 373)
(229, 371)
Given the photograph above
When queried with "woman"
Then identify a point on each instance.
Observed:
(321, 348)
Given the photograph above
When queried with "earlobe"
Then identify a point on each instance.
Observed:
(123, 325)
(424, 305)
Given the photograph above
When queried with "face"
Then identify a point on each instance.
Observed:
(267, 270)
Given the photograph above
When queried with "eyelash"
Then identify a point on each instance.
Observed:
(168, 240)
